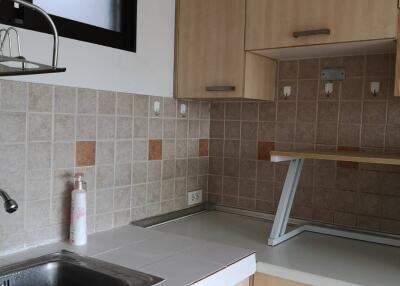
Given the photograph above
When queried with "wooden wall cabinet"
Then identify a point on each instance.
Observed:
(274, 23)
(210, 60)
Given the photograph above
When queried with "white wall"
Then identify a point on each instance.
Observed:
(148, 71)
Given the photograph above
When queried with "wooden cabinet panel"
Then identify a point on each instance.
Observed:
(267, 280)
(271, 23)
(210, 48)
(260, 77)
(397, 69)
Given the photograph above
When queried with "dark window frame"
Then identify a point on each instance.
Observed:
(124, 40)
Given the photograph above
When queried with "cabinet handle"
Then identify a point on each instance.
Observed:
(311, 33)
(220, 88)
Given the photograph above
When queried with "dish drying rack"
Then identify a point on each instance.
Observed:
(11, 65)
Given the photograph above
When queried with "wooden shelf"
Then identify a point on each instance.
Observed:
(359, 157)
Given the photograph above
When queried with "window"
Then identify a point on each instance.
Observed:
(109, 23)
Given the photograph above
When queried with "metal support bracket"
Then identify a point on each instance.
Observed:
(278, 232)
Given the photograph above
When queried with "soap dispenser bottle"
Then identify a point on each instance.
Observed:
(78, 226)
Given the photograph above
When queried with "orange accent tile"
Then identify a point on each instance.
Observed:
(203, 147)
(85, 153)
(264, 149)
(155, 150)
(344, 164)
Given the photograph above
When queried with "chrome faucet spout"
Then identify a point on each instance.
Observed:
(10, 205)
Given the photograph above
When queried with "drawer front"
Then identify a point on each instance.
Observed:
(288, 23)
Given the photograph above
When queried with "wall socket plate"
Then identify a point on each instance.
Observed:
(195, 197)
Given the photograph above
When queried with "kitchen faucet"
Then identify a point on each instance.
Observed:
(9, 204)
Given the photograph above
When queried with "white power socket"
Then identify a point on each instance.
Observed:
(195, 197)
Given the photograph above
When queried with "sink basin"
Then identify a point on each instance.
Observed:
(65, 268)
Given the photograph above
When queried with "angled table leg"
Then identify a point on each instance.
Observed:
(285, 204)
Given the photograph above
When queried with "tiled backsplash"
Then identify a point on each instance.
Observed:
(351, 118)
(137, 164)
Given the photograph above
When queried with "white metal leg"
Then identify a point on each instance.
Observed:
(286, 201)
(278, 232)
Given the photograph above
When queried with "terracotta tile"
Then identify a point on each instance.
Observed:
(350, 112)
(267, 111)
(85, 153)
(345, 164)
(352, 89)
(354, 65)
(232, 110)
(372, 135)
(292, 84)
(306, 111)
(203, 147)
(378, 65)
(309, 69)
(250, 111)
(286, 111)
(155, 149)
(328, 111)
(349, 135)
(264, 149)
(288, 69)
(374, 112)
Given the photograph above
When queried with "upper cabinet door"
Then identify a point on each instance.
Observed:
(210, 48)
(289, 23)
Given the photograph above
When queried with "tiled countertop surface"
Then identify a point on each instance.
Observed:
(178, 259)
(309, 258)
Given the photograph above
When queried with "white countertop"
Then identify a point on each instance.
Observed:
(178, 259)
(309, 258)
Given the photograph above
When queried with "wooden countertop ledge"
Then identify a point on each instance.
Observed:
(360, 157)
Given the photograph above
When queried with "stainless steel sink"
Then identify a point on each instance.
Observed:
(65, 268)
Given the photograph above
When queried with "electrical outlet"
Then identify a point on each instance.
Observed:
(195, 197)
